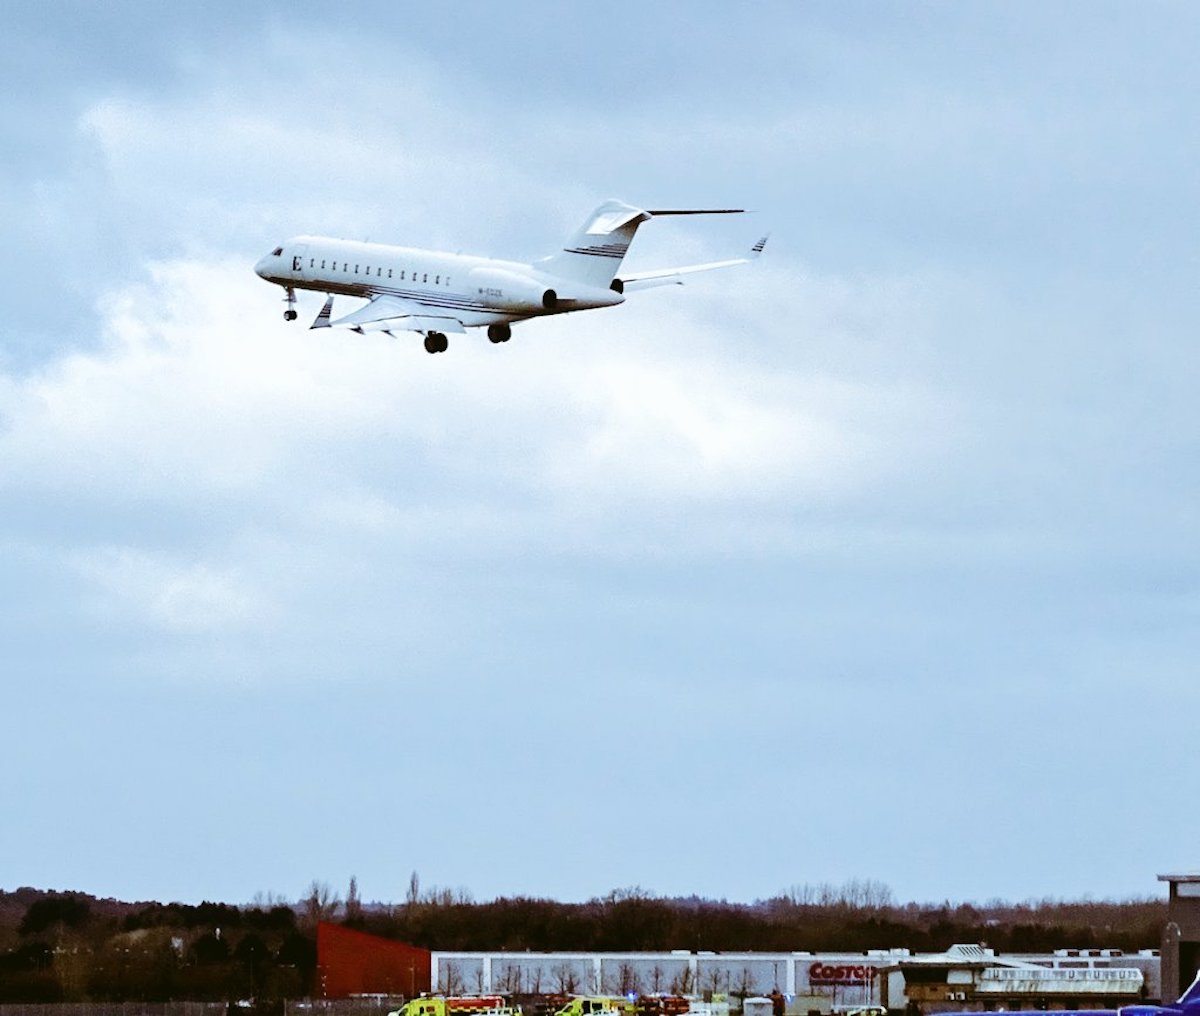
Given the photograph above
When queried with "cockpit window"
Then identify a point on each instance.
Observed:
(276, 252)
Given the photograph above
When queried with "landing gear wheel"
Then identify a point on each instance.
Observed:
(289, 315)
(499, 333)
(436, 342)
(290, 300)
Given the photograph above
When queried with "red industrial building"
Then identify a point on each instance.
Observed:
(354, 963)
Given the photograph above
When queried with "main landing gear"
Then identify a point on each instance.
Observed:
(290, 300)
(436, 342)
(499, 333)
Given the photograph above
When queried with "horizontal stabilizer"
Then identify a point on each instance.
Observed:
(695, 211)
(673, 276)
(632, 285)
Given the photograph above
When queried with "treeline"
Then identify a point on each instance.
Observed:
(72, 947)
(843, 919)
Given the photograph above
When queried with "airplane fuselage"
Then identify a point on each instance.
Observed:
(477, 290)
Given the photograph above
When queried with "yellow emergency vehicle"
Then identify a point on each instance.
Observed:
(589, 1005)
(457, 1005)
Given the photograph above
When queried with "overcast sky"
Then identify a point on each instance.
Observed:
(878, 559)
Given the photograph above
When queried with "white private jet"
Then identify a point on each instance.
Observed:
(433, 293)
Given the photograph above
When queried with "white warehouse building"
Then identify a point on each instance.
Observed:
(964, 977)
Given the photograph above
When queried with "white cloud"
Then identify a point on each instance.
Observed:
(199, 389)
(182, 597)
(264, 464)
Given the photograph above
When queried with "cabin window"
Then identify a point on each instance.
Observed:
(312, 262)
(402, 276)
(437, 280)
(322, 262)
(389, 273)
(356, 269)
(425, 277)
(335, 266)
(276, 252)
(345, 266)
(378, 273)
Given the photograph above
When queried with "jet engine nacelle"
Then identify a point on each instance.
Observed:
(512, 291)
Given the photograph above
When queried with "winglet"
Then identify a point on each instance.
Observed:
(322, 319)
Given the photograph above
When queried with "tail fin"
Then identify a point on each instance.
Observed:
(594, 254)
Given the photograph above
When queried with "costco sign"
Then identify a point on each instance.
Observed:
(829, 974)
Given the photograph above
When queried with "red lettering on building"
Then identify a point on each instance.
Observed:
(829, 974)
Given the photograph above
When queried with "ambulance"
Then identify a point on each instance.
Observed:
(457, 1005)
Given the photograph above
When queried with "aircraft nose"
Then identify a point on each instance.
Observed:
(261, 267)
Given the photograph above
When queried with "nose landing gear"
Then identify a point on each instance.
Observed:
(290, 300)
(436, 342)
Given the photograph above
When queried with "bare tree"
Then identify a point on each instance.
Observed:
(745, 982)
(681, 984)
(629, 979)
(865, 894)
(450, 981)
(565, 975)
(713, 980)
(267, 900)
(801, 895)
(321, 903)
(413, 896)
(853, 894)
(354, 910)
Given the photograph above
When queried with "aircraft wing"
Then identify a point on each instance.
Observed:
(389, 313)
(632, 281)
